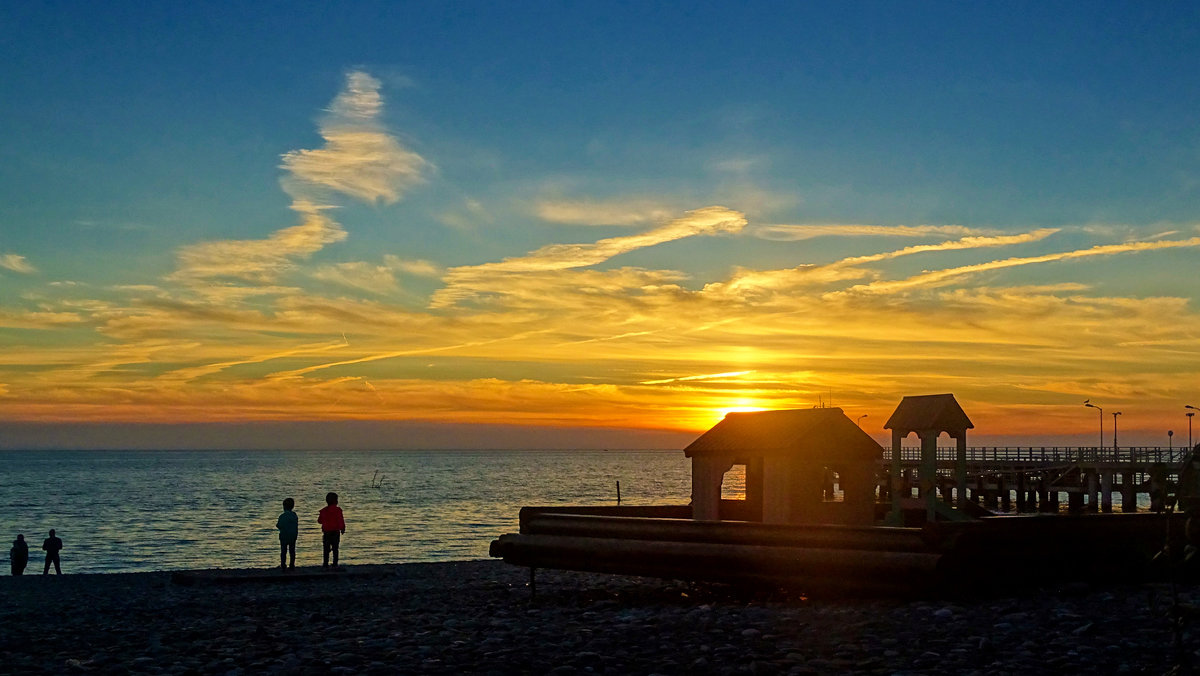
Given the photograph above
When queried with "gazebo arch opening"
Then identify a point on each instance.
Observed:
(733, 482)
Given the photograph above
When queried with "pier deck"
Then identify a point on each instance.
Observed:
(1032, 478)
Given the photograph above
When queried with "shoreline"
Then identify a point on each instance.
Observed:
(477, 617)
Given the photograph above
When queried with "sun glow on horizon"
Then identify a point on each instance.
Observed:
(741, 406)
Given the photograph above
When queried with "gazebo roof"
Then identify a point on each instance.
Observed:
(929, 412)
(814, 433)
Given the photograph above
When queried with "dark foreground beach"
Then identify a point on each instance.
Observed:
(477, 617)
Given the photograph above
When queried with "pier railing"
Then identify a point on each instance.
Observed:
(1130, 455)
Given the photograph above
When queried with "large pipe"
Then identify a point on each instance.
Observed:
(875, 538)
(843, 568)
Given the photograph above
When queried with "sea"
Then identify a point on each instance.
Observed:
(131, 511)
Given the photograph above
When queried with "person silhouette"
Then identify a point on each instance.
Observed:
(289, 527)
(52, 545)
(333, 525)
(19, 554)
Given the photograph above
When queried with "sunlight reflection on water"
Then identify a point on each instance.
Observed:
(171, 510)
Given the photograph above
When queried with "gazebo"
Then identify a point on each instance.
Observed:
(929, 416)
(790, 457)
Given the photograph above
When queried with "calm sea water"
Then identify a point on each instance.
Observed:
(168, 510)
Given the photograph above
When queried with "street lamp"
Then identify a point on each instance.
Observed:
(859, 421)
(1089, 404)
(1189, 415)
(1117, 413)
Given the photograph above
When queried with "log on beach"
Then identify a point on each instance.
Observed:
(477, 617)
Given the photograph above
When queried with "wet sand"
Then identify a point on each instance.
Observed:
(476, 617)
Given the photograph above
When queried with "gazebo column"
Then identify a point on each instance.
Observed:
(929, 472)
(858, 491)
(896, 516)
(960, 469)
(754, 488)
(777, 489)
(707, 474)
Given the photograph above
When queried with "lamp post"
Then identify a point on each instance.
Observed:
(859, 421)
(1115, 414)
(1089, 404)
(1189, 415)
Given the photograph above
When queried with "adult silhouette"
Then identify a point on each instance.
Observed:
(53, 545)
(19, 555)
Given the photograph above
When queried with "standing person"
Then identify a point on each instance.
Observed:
(289, 527)
(333, 525)
(19, 554)
(52, 545)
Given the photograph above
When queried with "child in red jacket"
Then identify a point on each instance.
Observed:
(333, 525)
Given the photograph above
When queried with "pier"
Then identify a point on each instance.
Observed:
(826, 506)
(1042, 479)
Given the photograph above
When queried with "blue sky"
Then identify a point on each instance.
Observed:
(147, 150)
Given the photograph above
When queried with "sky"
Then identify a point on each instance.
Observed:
(580, 224)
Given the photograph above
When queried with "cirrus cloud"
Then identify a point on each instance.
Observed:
(16, 263)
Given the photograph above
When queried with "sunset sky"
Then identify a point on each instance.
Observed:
(593, 224)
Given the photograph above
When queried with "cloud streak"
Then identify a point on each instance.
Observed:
(592, 212)
(16, 263)
(796, 233)
(465, 282)
(941, 277)
(749, 284)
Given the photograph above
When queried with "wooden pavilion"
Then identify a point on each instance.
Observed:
(791, 457)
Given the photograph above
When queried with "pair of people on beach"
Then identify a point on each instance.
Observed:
(333, 525)
(19, 554)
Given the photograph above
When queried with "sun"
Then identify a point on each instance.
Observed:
(740, 406)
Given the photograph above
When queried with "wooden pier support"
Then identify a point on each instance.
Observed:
(1075, 501)
(1093, 492)
(1128, 492)
(1044, 500)
(1106, 485)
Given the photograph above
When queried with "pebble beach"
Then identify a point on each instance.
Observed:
(478, 617)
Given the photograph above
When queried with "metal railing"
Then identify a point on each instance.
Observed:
(1131, 455)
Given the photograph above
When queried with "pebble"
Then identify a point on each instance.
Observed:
(477, 618)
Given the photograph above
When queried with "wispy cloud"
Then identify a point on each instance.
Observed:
(463, 282)
(940, 277)
(795, 233)
(595, 212)
(360, 158)
(749, 283)
(260, 260)
(708, 376)
(416, 267)
(16, 263)
(376, 279)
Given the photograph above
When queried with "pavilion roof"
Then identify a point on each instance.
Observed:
(814, 433)
(929, 412)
